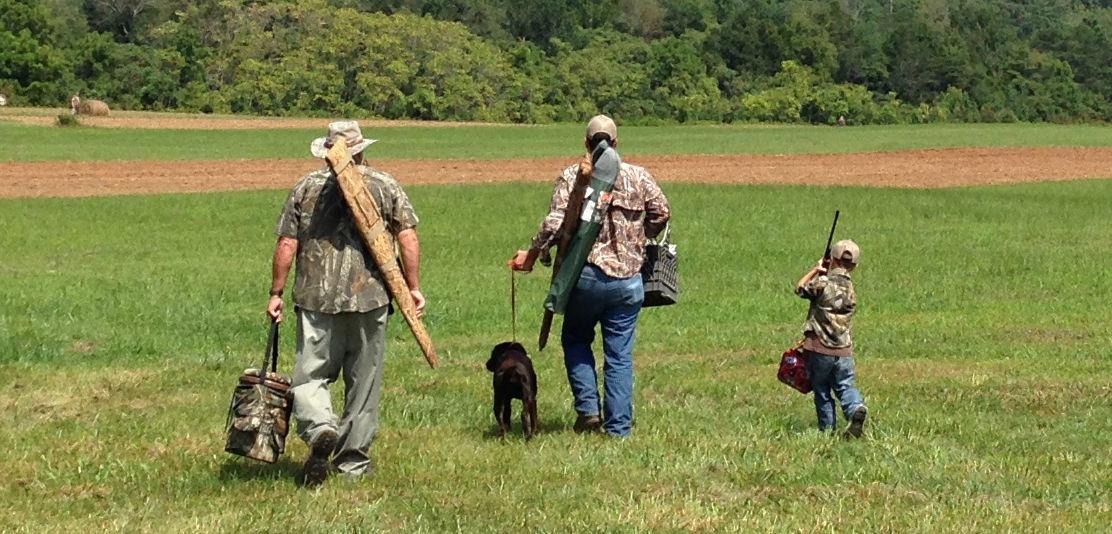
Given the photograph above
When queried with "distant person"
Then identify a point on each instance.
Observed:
(841, 120)
(341, 304)
(827, 337)
(609, 291)
(3, 100)
(75, 104)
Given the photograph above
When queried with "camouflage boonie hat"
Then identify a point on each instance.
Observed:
(846, 250)
(348, 131)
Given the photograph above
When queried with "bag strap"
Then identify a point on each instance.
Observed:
(271, 351)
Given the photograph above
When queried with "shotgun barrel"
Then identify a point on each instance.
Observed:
(830, 238)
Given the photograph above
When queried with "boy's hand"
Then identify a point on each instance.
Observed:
(822, 265)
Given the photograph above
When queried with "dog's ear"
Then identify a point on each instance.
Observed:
(496, 356)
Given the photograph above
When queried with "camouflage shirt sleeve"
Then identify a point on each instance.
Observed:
(403, 216)
(550, 227)
(656, 207)
(290, 220)
(813, 289)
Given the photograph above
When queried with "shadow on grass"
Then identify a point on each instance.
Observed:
(544, 426)
(246, 470)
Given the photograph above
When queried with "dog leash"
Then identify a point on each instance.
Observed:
(513, 304)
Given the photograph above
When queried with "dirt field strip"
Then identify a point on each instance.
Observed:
(914, 169)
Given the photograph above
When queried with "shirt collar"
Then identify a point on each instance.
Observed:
(841, 271)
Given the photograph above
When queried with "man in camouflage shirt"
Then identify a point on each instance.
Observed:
(828, 337)
(609, 291)
(341, 303)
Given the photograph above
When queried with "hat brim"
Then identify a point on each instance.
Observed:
(320, 151)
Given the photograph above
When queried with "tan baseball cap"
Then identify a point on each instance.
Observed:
(602, 124)
(846, 250)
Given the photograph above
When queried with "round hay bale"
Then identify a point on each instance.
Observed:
(95, 108)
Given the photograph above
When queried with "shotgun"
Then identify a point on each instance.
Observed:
(830, 239)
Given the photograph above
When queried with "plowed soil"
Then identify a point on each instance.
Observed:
(915, 169)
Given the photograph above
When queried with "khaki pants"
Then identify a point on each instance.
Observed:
(327, 344)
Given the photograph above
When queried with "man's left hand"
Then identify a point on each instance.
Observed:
(418, 301)
(274, 309)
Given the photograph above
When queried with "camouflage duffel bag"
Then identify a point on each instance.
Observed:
(259, 415)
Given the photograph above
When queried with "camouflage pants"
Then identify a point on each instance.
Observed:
(327, 344)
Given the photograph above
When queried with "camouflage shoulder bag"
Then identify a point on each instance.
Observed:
(259, 415)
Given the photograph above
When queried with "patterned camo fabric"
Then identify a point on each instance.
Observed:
(833, 302)
(634, 210)
(335, 271)
(259, 422)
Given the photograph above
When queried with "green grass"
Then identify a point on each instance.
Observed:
(983, 351)
(35, 143)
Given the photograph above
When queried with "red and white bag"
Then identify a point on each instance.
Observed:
(793, 369)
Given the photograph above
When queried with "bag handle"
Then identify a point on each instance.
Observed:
(662, 238)
(271, 351)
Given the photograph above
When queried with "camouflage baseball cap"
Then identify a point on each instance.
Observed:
(602, 124)
(347, 130)
(846, 250)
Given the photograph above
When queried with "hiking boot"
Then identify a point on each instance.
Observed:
(857, 422)
(317, 466)
(587, 423)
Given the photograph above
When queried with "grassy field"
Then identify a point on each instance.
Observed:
(983, 351)
(37, 143)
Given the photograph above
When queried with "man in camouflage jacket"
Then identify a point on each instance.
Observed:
(828, 337)
(609, 291)
(341, 303)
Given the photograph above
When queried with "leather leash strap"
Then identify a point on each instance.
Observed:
(513, 304)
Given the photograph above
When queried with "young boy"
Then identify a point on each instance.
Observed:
(827, 342)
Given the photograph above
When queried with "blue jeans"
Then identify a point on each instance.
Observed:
(614, 303)
(832, 373)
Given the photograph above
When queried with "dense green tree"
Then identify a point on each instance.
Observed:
(925, 56)
(681, 85)
(32, 69)
(681, 16)
(545, 60)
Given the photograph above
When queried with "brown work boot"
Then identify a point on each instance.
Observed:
(317, 466)
(587, 423)
(857, 422)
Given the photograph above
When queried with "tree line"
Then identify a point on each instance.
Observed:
(644, 61)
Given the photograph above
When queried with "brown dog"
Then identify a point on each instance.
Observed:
(513, 379)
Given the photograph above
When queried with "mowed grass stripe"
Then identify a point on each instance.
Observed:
(36, 143)
(981, 337)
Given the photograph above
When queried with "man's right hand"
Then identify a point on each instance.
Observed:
(523, 260)
(274, 309)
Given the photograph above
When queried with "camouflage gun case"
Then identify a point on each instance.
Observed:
(259, 415)
(607, 165)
